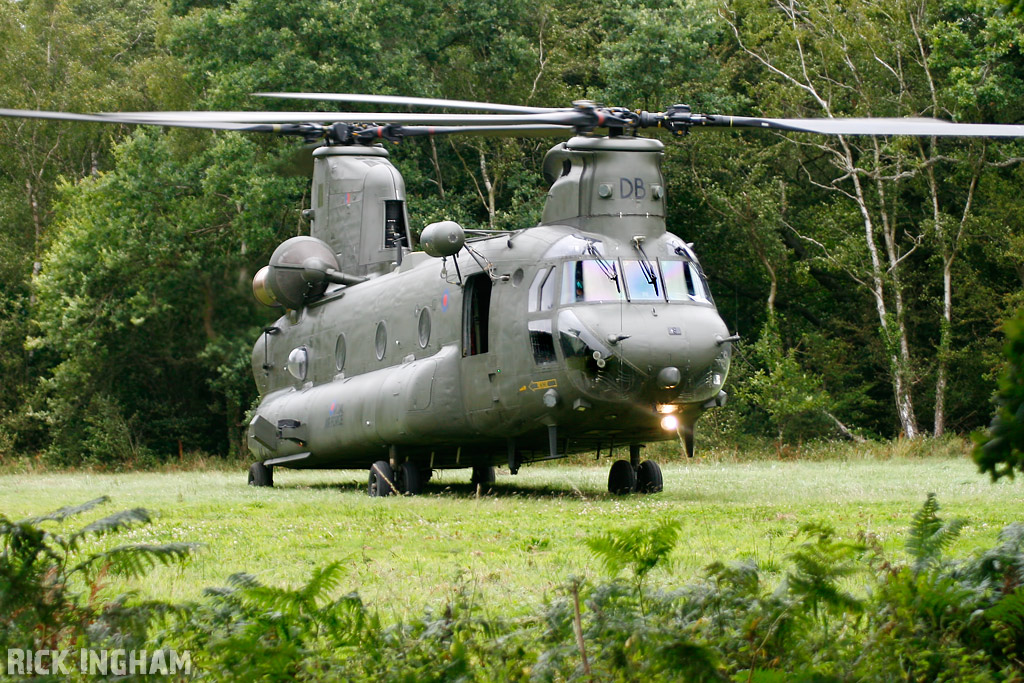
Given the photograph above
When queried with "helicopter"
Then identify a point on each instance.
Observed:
(592, 330)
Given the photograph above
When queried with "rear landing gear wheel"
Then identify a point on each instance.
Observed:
(648, 477)
(410, 479)
(621, 478)
(261, 475)
(382, 480)
(482, 475)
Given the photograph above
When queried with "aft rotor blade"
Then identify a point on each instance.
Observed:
(865, 126)
(132, 119)
(397, 101)
(558, 117)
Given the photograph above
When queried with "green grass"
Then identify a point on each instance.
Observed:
(519, 543)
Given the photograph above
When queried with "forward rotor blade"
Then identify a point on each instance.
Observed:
(866, 126)
(395, 100)
(528, 130)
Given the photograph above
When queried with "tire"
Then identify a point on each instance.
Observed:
(410, 479)
(382, 480)
(482, 475)
(648, 477)
(621, 478)
(261, 475)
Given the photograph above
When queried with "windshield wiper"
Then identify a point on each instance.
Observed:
(646, 267)
(609, 269)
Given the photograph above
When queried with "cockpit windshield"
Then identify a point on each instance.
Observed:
(592, 280)
(684, 282)
(602, 280)
(642, 281)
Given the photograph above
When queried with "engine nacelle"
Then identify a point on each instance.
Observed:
(297, 273)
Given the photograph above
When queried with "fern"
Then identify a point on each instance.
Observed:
(1001, 567)
(1009, 611)
(929, 535)
(66, 512)
(112, 524)
(36, 605)
(134, 560)
(819, 564)
(638, 547)
(300, 601)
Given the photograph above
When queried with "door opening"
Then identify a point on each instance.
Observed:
(476, 312)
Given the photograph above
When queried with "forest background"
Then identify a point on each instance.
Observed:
(866, 276)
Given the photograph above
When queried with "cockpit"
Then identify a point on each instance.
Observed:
(667, 348)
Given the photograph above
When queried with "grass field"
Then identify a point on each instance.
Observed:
(517, 543)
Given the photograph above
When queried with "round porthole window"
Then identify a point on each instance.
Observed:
(298, 363)
(424, 328)
(339, 353)
(381, 340)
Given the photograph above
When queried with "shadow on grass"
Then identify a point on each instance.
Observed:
(448, 489)
(548, 488)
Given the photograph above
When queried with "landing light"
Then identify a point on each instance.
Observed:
(666, 408)
(670, 423)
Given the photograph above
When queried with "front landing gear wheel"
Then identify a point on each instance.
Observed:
(382, 480)
(261, 475)
(621, 478)
(648, 477)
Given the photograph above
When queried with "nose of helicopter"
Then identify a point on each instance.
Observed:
(677, 336)
(654, 354)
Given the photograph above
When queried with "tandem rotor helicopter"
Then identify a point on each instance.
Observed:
(594, 329)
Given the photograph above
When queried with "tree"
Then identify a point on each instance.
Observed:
(61, 54)
(142, 290)
(999, 450)
(912, 202)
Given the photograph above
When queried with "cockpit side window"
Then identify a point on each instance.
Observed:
(542, 341)
(533, 301)
(542, 291)
(700, 285)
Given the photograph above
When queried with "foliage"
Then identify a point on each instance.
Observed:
(794, 402)
(933, 618)
(63, 54)
(999, 450)
(43, 575)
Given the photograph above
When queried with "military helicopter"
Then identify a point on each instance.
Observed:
(593, 330)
